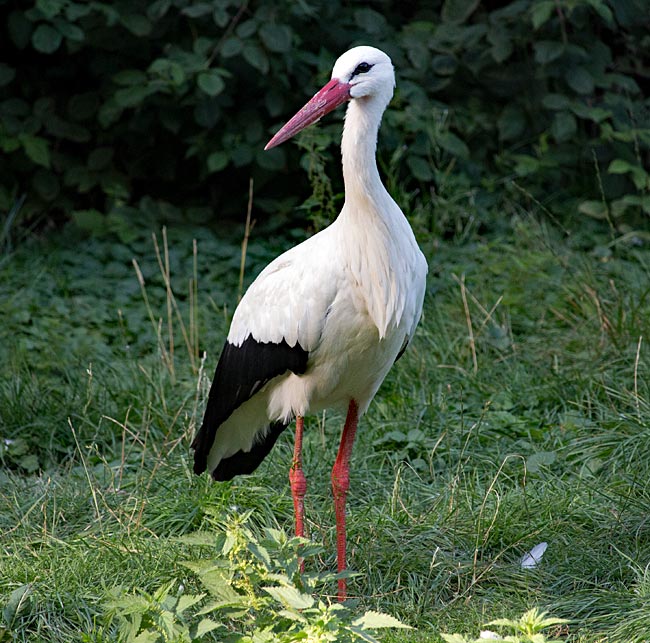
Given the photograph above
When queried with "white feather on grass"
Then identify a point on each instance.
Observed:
(531, 559)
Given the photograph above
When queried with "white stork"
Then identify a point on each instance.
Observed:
(323, 323)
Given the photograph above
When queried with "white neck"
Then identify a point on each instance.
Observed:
(374, 236)
(358, 148)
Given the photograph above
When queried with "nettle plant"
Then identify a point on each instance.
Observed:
(534, 626)
(253, 591)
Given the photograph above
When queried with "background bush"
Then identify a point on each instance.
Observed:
(168, 104)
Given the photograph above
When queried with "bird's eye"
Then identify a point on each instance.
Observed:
(361, 68)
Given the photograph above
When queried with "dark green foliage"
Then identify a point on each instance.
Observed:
(103, 104)
(72, 311)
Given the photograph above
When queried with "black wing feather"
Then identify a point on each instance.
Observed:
(401, 350)
(241, 372)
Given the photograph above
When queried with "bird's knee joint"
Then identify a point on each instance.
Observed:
(340, 482)
(298, 481)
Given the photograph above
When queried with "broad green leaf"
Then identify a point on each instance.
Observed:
(256, 57)
(511, 123)
(241, 155)
(260, 552)
(444, 64)
(632, 200)
(274, 101)
(276, 38)
(217, 161)
(203, 47)
(452, 144)
(76, 10)
(640, 177)
(594, 209)
(136, 23)
(203, 627)
(628, 11)
(196, 10)
(46, 39)
(541, 12)
(109, 113)
(50, 8)
(9, 144)
(132, 96)
(564, 126)
(547, 51)
(363, 634)
(370, 20)
(531, 622)
(420, 168)
(116, 185)
(79, 177)
(457, 11)
(211, 82)
(273, 160)
(580, 80)
(90, 220)
(619, 166)
(556, 101)
(46, 184)
(7, 74)
(376, 620)
(231, 47)
(603, 11)
(525, 164)
(217, 583)
(130, 77)
(292, 615)
(456, 638)
(246, 29)
(37, 149)
(158, 9)
(168, 70)
(100, 158)
(188, 600)
(20, 29)
(596, 114)
(17, 601)
(291, 597)
(501, 43)
(540, 459)
(68, 30)
(220, 17)
(29, 463)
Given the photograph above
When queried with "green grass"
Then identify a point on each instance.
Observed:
(519, 415)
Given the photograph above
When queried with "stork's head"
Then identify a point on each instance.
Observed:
(367, 71)
(360, 73)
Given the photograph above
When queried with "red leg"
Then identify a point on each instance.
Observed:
(298, 480)
(340, 486)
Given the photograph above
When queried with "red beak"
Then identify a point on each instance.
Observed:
(323, 102)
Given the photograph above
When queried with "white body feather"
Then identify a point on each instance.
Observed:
(351, 296)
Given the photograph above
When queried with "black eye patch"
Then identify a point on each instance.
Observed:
(361, 68)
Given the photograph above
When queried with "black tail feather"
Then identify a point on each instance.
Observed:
(244, 462)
